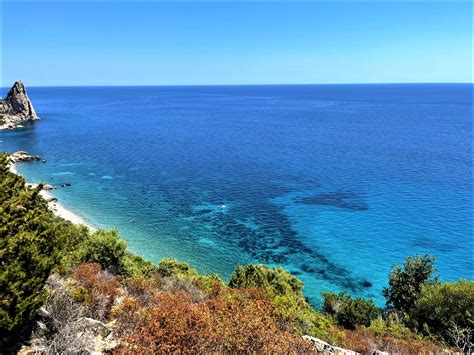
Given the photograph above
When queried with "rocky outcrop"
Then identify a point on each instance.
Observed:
(23, 156)
(321, 347)
(63, 326)
(16, 107)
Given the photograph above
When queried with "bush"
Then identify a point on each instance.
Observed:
(390, 327)
(180, 273)
(96, 289)
(405, 282)
(286, 292)
(442, 307)
(105, 248)
(170, 267)
(366, 340)
(233, 321)
(275, 281)
(134, 265)
(349, 312)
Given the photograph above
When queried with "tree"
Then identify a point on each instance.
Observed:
(405, 282)
(350, 312)
(29, 249)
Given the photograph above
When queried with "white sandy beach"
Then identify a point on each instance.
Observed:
(57, 208)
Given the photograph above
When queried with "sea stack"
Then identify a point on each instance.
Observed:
(16, 107)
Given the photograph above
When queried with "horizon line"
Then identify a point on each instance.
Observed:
(281, 84)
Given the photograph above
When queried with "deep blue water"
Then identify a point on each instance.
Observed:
(336, 183)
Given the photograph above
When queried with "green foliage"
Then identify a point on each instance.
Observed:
(441, 306)
(30, 244)
(311, 322)
(275, 281)
(170, 267)
(430, 307)
(349, 312)
(286, 291)
(105, 248)
(134, 265)
(405, 282)
(34, 242)
(174, 269)
(390, 327)
(73, 238)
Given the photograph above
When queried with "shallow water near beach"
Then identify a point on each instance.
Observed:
(335, 183)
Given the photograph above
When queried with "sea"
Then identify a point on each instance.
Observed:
(334, 183)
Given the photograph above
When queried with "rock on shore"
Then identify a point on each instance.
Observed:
(16, 107)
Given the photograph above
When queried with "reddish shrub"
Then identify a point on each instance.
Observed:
(96, 288)
(144, 288)
(363, 340)
(232, 321)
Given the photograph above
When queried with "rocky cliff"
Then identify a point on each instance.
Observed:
(16, 107)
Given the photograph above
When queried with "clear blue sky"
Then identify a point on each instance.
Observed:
(235, 43)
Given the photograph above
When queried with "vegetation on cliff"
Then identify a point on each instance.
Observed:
(58, 280)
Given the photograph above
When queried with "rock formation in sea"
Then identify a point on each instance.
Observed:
(23, 156)
(16, 107)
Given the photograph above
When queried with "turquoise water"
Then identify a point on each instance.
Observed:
(336, 183)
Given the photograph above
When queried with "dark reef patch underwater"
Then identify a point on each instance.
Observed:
(336, 183)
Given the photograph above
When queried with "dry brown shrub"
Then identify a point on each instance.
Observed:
(363, 340)
(96, 288)
(190, 286)
(144, 288)
(231, 321)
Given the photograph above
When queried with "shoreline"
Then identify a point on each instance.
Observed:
(56, 207)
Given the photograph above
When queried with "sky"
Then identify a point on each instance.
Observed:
(191, 43)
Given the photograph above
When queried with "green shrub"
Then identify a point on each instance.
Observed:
(105, 248)
(134, 265)
(349, 312)
(275, 281)
(442, 306)
(286, 291)
(174, 269)
(171, 267)
(390, 327)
